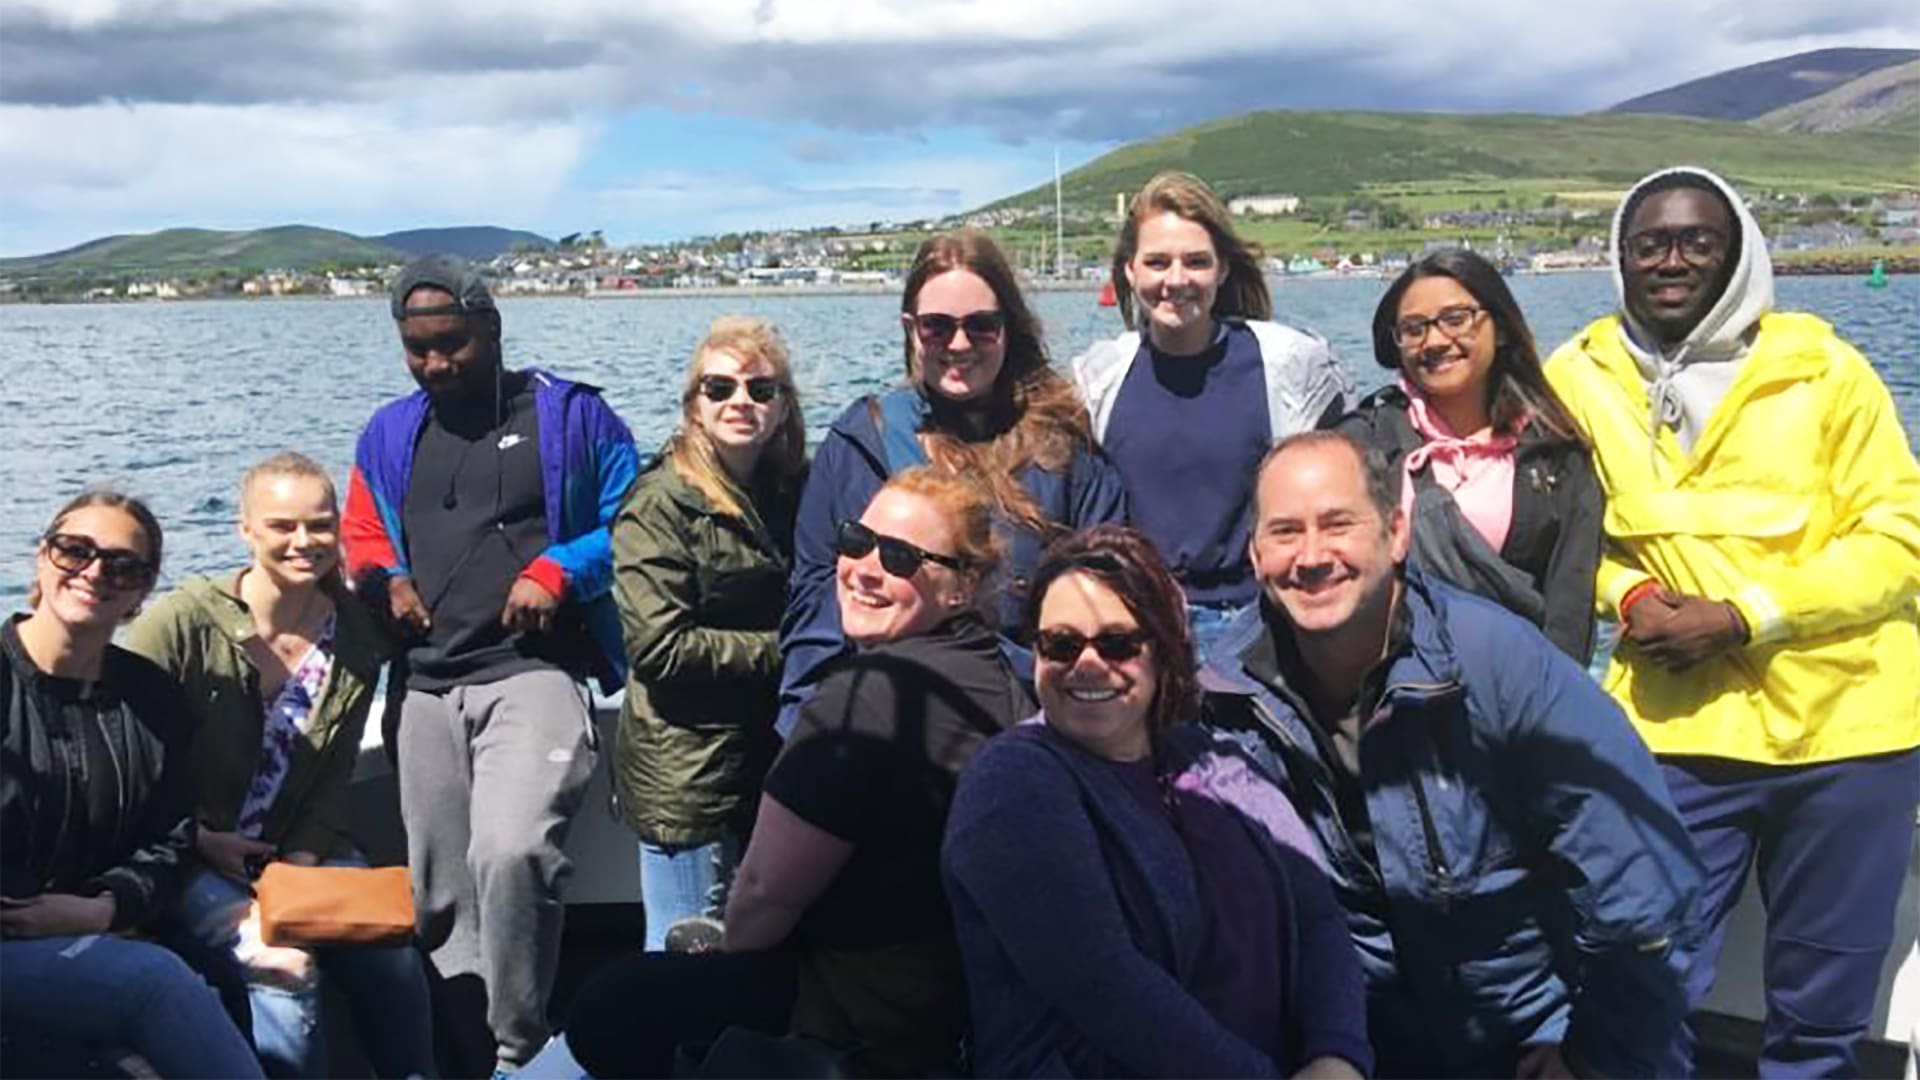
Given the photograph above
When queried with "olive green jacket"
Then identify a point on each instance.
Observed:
(197, 633)
(700, 593)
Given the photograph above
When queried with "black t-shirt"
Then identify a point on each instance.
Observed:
(475, 516)
(874, 759)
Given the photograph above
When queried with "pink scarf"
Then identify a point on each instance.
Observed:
(1477, 470)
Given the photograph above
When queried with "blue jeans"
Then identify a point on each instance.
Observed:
(679, 883)
(107, 991)
(1831, 843)
(385, 987)
(1206, 622)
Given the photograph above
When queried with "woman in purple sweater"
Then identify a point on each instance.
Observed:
(1131, 897)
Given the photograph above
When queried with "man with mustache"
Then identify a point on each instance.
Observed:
(1762, 556)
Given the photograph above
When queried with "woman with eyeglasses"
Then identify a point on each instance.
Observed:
(980, 401)
(1131, 896)
(1499, 482)
(701, 551)
(96, 818)
(836, 926)
(280, 662)
(1187, 401)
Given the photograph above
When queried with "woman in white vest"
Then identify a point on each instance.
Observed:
(1186, 402)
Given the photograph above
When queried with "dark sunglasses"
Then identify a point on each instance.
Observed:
(984, 327)
(72, 554)
(1065, 646)
(445, 344)
(720, 388)
(897, 557)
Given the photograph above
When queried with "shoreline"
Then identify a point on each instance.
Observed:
(1818, 266)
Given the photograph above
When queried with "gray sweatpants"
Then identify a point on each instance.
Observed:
(490, 776)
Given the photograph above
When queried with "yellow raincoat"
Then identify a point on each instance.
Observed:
(1800, 503)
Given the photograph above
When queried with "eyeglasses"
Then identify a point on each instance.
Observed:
(720, 388)
(121, 569)
(983, 327)
(1065, 646)
(1698, 244)
(897, 557)
(445, 344)
(1454, 322)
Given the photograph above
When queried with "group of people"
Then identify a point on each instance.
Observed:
(1174, 712)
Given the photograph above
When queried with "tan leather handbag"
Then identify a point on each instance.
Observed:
(334, 905)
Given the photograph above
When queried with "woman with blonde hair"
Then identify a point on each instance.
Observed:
(280, 662)
(701, 551)
(1186, 402)
(981, 400)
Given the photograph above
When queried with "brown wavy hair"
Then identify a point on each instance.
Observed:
(690, 449)
(1243, 294)
(1124, 560)
(1033, 413)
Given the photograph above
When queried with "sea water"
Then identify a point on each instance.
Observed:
(173, 401)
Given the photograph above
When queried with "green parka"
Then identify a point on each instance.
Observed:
(197, 633)
(700, 593)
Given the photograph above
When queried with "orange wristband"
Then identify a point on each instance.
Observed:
(1635, 595)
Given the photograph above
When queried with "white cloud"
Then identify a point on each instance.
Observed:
(140, 113)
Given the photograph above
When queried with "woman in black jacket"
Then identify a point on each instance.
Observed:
(1500, 486)
(95, 813)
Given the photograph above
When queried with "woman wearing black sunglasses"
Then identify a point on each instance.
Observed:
(1131, 897)
(836, 926)
(96, 819)
(700, 556)
(980, 401)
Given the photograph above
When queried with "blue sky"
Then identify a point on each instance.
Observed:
(657, 119)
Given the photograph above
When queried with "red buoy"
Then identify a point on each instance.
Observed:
(1107, 298)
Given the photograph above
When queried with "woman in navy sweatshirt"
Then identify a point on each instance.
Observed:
(1131, 897)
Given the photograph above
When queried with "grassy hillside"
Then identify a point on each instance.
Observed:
(1747, 92)
(1340, 153)
(173, 251)
(1884, 100)
(468, 242)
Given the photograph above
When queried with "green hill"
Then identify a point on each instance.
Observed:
(176, 251)
(1343, 153)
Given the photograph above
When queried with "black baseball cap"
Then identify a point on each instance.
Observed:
(448, 274)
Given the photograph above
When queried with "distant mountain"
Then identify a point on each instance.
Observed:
(478, 242)
(1752, 91)
(1885, 99)
(178, 251)
(1344, 153)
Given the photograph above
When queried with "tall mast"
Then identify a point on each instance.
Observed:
(1059, 222)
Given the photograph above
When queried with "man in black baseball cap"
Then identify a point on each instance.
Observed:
(479, 510)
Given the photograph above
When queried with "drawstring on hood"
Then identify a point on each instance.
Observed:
(1686, 381)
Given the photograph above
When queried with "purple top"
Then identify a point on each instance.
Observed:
(1239, 971)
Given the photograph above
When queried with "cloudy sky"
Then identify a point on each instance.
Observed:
(654, 119)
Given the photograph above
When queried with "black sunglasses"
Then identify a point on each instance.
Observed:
(121, 569)
(445, 344)
(897, 557)
(720, 388)
(984, 327)
(1065, 646)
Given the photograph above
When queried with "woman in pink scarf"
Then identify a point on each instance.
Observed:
(1500, 484)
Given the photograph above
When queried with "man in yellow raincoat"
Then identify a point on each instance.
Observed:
(1762, 557)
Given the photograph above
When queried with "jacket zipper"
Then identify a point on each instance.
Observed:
(1322, 778)
(1430, 833)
